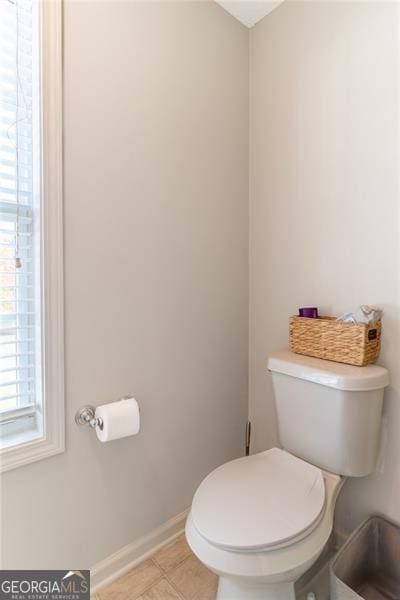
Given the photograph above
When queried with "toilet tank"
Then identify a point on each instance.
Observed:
(329, 413)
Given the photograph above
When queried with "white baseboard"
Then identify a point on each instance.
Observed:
(106, 571)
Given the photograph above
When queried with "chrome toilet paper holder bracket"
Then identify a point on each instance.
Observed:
(85, 416)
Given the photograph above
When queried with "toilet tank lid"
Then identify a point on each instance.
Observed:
(328, 373)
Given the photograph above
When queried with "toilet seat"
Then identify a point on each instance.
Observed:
(264, 501)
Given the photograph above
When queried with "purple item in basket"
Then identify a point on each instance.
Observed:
(310, 313)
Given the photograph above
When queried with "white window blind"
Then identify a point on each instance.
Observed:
(20, 327)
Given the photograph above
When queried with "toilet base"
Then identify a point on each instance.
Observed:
(229, 589)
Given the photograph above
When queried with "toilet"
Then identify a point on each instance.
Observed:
(260, 522)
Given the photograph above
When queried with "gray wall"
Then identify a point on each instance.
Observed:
(324, 197)
(156, 210)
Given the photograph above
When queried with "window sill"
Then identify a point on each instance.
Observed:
(28, 452)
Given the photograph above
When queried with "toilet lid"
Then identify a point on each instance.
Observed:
(258, 501)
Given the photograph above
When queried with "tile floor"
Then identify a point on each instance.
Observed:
(172, 573)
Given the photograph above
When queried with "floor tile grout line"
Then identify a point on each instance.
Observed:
(163, 576)
(172, 568)
(175, 588)
(155, 582)
(181, 595)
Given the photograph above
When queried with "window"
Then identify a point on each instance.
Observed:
(31, 316)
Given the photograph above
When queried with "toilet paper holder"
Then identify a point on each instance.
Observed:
(111, 421)
(86, 416)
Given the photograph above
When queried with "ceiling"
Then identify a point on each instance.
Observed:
(249, 12)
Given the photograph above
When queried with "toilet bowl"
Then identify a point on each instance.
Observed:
(260, 522)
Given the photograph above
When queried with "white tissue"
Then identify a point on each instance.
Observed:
(365, 314)
(118, 419)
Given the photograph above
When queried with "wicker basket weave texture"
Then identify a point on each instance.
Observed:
(351, 343)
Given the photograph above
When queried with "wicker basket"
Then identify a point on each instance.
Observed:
(325, 337)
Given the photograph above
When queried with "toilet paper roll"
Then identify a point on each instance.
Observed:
(118, 419)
